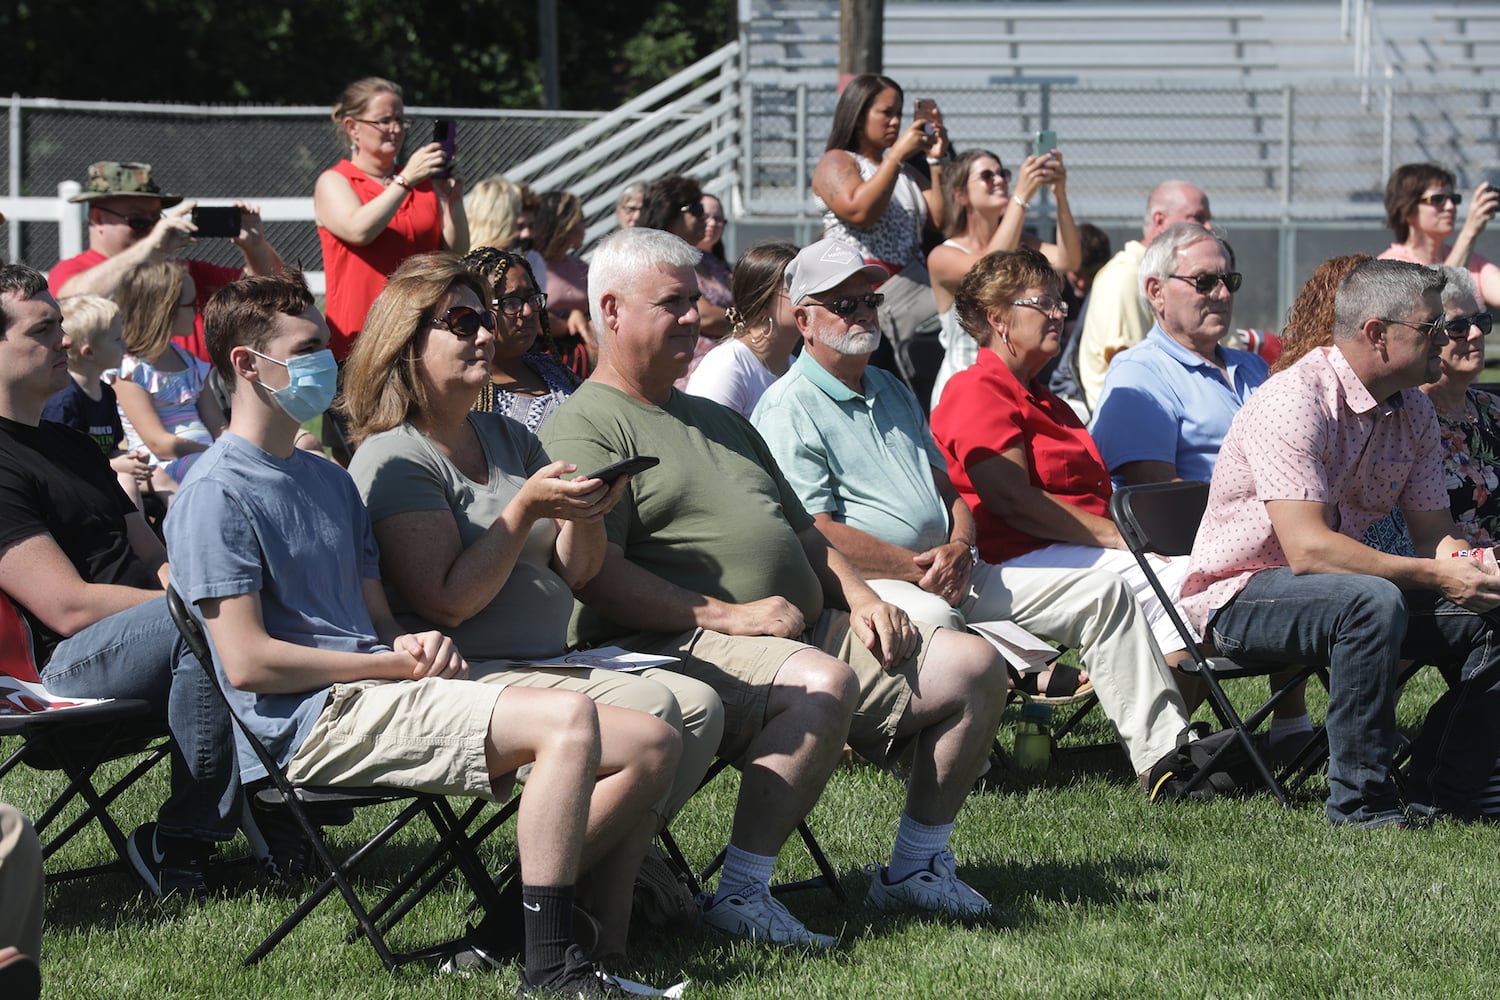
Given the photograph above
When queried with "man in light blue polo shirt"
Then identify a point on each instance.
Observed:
(1168, 401)
(852, 442)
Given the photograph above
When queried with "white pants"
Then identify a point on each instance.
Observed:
(1091, 610)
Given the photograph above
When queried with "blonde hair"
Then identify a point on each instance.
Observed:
(148, 297)
(491, 207)
(381, 388)
(86, 318)
(355, 98)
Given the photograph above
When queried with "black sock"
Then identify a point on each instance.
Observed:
(547, 912)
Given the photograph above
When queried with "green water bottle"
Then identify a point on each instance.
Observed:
(1033, 751)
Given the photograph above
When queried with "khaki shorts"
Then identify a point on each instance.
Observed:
(743, 668)
(425, 736)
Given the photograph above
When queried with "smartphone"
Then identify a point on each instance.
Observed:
(925, 110)
(217, 220)
(445, 133)
(1046, 142)
(625, 467)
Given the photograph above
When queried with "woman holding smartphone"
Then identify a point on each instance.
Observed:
(373, 213)
(873, 200)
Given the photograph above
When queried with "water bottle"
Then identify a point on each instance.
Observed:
(1033, 751)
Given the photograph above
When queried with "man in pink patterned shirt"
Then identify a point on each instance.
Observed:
(1278, 571)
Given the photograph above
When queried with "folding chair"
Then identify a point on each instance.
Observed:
(1162, 519)
(454, 847)
(826, 878)
(75, 741)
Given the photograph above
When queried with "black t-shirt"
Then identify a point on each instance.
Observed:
(54, 480)
(98, 418)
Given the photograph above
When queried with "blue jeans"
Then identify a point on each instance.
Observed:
(138, 653)
(1362, 627)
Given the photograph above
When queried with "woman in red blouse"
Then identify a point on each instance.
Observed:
(372, 214)
(1016, 452)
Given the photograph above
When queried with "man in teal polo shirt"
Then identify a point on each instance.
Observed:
(852, 442)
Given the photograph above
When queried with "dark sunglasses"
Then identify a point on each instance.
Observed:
(988, 176)
(695, 209)
(1458, 326)
(1206, 283)
(463, 321)
(512, 305)
(845, 306)
(137, 223)
(1441, 199)
(1430, 330)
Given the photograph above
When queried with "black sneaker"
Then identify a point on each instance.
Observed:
(276, 841)
(579, 979)
(169, 865)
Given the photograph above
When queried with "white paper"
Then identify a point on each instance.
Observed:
(1020, 648)
(642, 990)
(18, 697)
(607, 658)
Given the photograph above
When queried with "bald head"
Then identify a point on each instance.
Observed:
(1173, 202)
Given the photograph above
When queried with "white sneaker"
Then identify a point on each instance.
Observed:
(759, 916)
(938, 889)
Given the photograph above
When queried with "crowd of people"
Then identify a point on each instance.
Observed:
(815, 553)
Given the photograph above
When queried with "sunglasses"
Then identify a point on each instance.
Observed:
(512, 305)
(462, 321)
(1204, 284)
(137, 223)
(695, 209)
(1441, 198)
(845, 306)
(1431, 329)
(988, 176)
(1045, 304)
(1458, 327)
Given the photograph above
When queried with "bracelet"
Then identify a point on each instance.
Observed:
(935, 161)
(401, 181)
(1018, 201)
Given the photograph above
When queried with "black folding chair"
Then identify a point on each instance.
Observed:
(76, 741)
(1162, 519)
(454, 847)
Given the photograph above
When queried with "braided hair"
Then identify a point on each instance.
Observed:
(493, 264)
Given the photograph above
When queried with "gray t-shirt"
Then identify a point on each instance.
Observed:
(400, 470)
(293, 531)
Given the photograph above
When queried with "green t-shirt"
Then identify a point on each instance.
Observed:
(400, 470)
(715, 517)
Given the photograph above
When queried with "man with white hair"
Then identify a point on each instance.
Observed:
(1115, 317)
(713, 559)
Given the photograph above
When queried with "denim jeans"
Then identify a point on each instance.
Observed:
(138, 653)
(1362, 627)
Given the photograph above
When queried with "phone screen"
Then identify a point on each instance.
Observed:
(445, 133)
(217, 221)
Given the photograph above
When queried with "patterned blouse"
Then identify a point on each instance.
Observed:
(1471, 468)
(527, 410)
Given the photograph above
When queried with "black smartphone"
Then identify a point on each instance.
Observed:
(625, 467)
(217, 220)
(445, 134)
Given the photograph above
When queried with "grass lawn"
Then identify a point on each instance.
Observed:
(1097, 893)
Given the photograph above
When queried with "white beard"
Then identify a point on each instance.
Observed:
(853, 342)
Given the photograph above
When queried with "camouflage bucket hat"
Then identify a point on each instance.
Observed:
(112, 179)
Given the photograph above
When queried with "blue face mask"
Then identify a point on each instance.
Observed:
(313, 382)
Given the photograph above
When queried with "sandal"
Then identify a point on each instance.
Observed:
(1065, 686)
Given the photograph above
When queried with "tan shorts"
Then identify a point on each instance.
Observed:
(743, 668)
(426, 736)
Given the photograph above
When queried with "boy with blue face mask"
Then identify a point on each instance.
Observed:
(275, 553)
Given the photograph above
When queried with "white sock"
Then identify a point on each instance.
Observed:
(916, 845)
(743, 870)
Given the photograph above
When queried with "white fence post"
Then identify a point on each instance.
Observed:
(70, 221)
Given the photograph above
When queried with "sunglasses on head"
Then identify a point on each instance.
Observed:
(1441, 198)
(1458, 326)
(463, 321)
(844, 307)
(512, 305)
(137, 223)
(1204, 284)
(988, 176)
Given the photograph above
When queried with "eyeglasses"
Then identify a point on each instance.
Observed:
(1204, 284)
(1441, 198)
(384, 124)
(1045, 304)
(695, 209)
(988, 176)
(1458, 326)
(462, 321)
(1432, 329)
(714, 218)
(845, 306)
(137, 223)
(512, 305)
